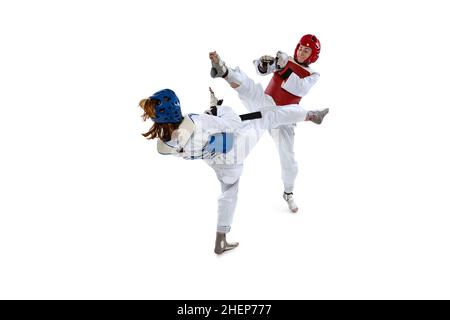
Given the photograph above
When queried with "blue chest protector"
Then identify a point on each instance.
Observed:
(220, 143)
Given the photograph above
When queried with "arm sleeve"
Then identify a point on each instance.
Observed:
(300, 86)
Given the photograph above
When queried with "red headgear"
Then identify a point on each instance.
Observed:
(311, 41)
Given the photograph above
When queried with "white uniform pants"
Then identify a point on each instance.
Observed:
(283, 137)
(229, 182)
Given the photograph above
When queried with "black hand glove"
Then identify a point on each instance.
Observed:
(212, 111)
(264, 62)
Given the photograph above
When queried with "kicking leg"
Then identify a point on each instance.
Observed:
(251, 94)
(277, 116)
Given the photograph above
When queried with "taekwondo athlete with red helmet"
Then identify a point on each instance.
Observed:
(292, 79)
(220, 138)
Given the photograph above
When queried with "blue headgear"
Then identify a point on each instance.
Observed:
(168, 107)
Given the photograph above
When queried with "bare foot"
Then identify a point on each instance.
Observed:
(218, 67)
(214, 57)
(215, 60)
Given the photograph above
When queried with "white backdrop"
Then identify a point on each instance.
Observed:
(90, 210)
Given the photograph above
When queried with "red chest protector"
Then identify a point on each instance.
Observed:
(274, 89)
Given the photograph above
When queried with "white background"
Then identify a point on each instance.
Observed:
(90, 210)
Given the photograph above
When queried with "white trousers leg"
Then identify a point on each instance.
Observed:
(229, 182)
(283, 137)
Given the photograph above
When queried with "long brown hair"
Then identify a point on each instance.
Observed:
(162, 131)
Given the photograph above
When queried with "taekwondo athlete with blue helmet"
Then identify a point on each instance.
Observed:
(218, 137)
